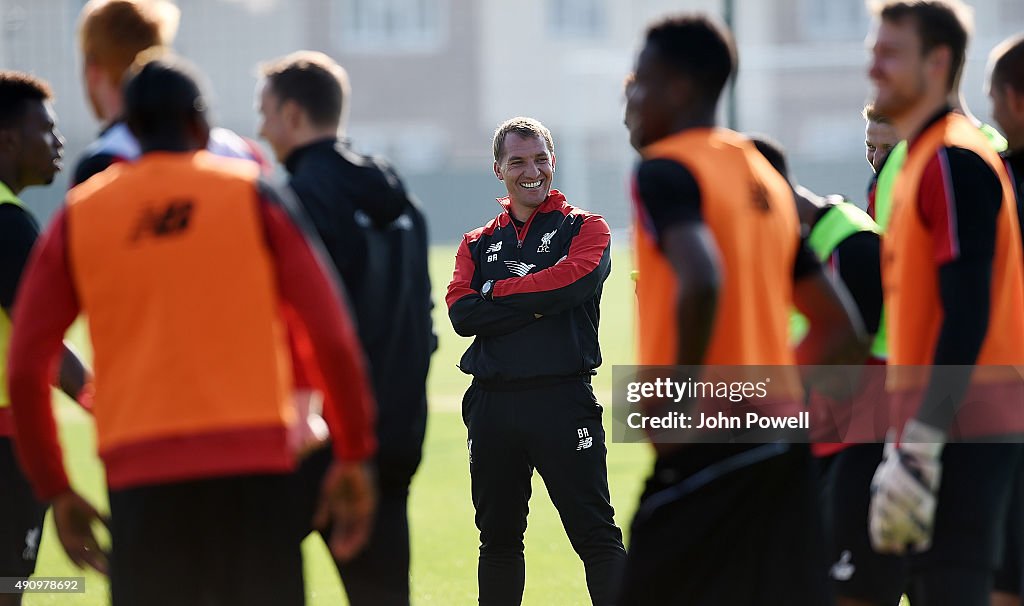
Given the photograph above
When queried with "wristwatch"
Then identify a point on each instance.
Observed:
(485, 290)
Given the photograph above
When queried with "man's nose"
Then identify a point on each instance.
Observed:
(874, 70)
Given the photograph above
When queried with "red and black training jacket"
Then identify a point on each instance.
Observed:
(553, 266)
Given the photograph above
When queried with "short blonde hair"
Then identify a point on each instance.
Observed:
(112, 32)
(871, 114)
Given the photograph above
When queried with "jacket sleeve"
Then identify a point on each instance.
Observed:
(45, 306)
(309, 289)
(568, 283)
(470, 313)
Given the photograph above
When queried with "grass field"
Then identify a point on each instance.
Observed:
(444, 539)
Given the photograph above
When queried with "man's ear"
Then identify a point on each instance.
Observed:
(552, 160)
(497, 172)
(10, 138)
(1014, 99)
(98, 81)
(92, 74)
(939, 61)
(679, 92)
(292, 115)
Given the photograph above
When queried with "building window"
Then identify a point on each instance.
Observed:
(415, 148)
(833, 20)
(577, 19)
(404, 26)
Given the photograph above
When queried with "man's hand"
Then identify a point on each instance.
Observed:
(348, 502)
(74, 516)
(904, 491)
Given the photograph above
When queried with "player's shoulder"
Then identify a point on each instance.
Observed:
(115, 145)
(951, 165)
(117, 140)
(961, 157)
(660, 182)
(213, 162)
(15, 217)
(374, 168)
(96, 184)
(557, 202)
(591, 219)
(659, 170)
(229, 144)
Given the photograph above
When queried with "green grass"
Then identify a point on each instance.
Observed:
(444, 539)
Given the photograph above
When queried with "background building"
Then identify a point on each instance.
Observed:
(432, 78)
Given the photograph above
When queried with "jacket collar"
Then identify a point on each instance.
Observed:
(554, 200)
(295, 157)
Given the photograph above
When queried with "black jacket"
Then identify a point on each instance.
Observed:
(554, 266)
(376, 237)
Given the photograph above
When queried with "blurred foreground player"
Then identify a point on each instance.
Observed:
(880, 202)
(182, 261)
(111, 36)
(376, 237)
(721, 263)
(1006, 91)
(846, 434)
(30, 154)
(954, 298)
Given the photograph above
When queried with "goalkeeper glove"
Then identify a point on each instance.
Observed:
(904, 491)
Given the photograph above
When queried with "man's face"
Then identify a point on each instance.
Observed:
(648, 104)
(1008, 112)
(92, 77)
(272, 123)
(526, 166)
(40, 147)
(897, 68)
(879, 139)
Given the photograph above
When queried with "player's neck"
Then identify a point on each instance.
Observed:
(704, 118)
(959, 105)
(520, 212)
(910, 124)
(168, 144)
(9, 177)
(111, 109)
(309, 136)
